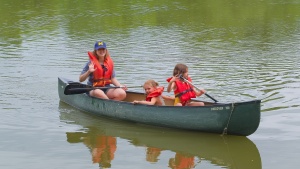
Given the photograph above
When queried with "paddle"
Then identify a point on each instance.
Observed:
(181, 77)
(79, 88)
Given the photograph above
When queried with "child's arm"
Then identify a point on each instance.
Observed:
(171, 85)
(168, 97)
(199, 92)
(152, 102)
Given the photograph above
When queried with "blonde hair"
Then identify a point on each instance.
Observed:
(151, 82)
(180, 69)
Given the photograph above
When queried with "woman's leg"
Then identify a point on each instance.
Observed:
(98, 93)
(116, 94)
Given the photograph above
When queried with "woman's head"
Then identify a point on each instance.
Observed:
(100, 49)
(150, 86)
(180, 69)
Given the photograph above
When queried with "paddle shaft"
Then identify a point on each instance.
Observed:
(93, 88)
(79, 88)
(197, 88)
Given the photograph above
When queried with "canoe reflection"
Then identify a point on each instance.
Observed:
(99, 134)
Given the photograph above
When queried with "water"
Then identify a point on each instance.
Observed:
(237, 51)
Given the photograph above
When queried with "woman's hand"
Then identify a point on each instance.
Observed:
(124, 87)
(92, 67)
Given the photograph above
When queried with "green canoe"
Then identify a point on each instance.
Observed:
(239, 118)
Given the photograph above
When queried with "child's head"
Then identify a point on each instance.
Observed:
(180, 69)
(150, 86)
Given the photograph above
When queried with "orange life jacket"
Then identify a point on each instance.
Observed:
(183, 90)
(104, 149)
(183, 162)
(157, 92)
(103, 73)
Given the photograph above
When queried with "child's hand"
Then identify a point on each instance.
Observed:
(174, 78)
(200, 92)
(135, 102)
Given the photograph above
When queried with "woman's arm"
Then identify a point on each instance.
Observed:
(88, 69)
(84, 76)
(115, 82)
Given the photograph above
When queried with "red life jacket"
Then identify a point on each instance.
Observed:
(183, 90)
(103, 73)
(157, 92)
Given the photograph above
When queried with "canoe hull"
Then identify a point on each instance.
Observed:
(233, 118)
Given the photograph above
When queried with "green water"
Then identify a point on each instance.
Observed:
(236, 50)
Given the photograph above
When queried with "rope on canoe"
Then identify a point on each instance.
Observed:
(225, 129)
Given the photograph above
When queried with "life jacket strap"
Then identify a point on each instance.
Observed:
(184, 92)
(102, 79)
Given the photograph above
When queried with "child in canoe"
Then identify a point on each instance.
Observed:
(183, 91)
(153, 94)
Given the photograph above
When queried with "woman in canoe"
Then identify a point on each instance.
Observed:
(100, 73)
(183, 91)
(153, 94)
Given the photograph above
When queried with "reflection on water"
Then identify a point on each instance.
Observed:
(102, 147)
(100, 135)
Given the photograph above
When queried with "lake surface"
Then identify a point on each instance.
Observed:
(236, 50)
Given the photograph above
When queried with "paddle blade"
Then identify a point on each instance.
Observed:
(77, 88)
